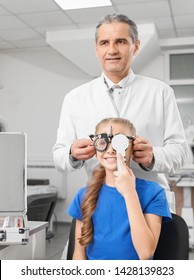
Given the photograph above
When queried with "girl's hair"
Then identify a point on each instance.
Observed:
(133, 32)
(94, 185)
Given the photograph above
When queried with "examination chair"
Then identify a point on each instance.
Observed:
(40, 207)
(71, 241)
(173, 242)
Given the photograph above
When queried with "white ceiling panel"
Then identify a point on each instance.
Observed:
(166, 33)
(30, 43)
(21, 34)
(89, 15)
(45, 29)
(3, 12)
(163, 23)
(185, 32)
(117, 2)
(4, 45)
(45, 19)
(29, 6)
(182, 7)
(145, 10)
(182, 21)
(7, 22)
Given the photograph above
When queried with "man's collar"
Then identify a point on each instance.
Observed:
(123, 83)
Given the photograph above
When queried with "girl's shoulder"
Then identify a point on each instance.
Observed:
(81, 192)
(146, 185)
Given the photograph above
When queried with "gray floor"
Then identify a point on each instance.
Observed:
(191, 254)
(55, 247)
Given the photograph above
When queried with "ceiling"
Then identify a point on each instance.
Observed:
(26, 23)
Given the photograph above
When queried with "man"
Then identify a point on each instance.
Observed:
(160, 147)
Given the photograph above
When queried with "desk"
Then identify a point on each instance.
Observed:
(186, 182)
(34, 250)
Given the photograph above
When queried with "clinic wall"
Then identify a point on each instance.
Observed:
(35, 82)
(33, 93)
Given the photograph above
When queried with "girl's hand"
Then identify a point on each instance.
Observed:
(125, 179)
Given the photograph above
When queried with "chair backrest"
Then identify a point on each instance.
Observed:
(173, 243)
(40, 207)
(71, 243)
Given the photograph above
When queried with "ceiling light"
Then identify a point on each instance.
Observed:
(80, 4)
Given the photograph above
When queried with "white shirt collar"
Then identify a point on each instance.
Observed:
(123, 83)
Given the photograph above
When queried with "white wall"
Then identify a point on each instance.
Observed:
(155, 68)
(35, 83)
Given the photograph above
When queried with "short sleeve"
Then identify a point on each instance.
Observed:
(159, 206)
(74, 209)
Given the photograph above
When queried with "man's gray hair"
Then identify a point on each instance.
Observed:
(133, 32)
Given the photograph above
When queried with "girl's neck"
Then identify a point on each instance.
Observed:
(110, 179)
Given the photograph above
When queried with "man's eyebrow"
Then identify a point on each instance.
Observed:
(117, 39)
(103, 40)
(121, 39)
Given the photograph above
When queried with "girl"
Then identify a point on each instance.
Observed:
(117, 215)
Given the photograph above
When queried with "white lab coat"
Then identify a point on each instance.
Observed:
(149, 104)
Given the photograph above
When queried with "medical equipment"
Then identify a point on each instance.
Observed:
(120, 143)
(189, 133)
(14, 227)
(184, 178)
(102, 140)
(186, 181)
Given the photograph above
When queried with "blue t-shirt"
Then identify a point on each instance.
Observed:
(111, 226)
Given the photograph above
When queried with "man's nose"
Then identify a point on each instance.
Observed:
(112, 48)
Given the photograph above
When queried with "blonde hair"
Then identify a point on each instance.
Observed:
(94, 185)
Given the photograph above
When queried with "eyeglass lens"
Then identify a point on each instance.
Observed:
(101, 144)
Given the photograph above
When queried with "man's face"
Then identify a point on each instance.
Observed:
(115, 49)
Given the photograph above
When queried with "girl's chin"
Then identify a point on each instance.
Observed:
(112, 168)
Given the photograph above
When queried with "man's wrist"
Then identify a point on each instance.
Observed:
(75, 163)
(150, 167)
(72, 157)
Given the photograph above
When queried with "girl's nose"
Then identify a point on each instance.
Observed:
(110, 149)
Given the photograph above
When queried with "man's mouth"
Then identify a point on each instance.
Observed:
(113, 59)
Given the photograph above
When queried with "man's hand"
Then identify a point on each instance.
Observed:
(82, 149)
(142, 152)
